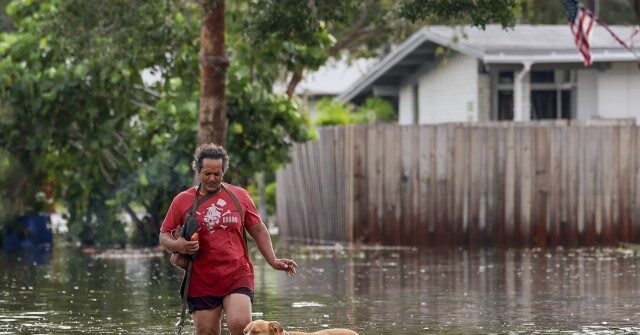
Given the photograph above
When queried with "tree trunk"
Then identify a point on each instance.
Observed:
(213, 69)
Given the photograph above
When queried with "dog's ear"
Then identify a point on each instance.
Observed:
(275, 327)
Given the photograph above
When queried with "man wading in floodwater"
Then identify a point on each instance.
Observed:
(222, 277)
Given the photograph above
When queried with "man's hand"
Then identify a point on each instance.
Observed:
(187, 247)
(286, 265)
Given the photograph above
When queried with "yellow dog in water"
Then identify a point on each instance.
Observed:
(261, 327)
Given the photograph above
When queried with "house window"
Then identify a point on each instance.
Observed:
(505, 105)
(550, 104)
(505, 77)
(542, 77)
(551, 93)
(543, 105)
(504, 101)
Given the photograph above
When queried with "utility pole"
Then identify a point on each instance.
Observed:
(635, 4)
(213, 121)
(594, 6)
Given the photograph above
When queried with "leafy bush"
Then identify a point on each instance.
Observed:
(332, 112)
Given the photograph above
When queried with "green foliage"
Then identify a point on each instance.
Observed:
(262, 125)
(167, 132)
(552, 12)
(477, 12)
(375, 110)
(81, 122)
(113, 31)
(543, 12)
(270, 198)
(291, 29)
(41, 90)
(76, 115)
(269, 195)
(629, 249)
(10, 204)
(5, 23)
(76, 112)
(280, 38)
(271, 42)
(333, 112)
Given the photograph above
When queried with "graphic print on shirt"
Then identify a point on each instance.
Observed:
(218, 217)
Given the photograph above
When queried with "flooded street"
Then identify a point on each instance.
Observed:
(390, 291)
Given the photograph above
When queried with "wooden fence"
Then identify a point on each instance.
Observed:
(506, 184)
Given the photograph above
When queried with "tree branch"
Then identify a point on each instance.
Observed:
(293, 83)
(356, 32)
(132, 214)
(147, 90)
(143, 105)
(350, 40)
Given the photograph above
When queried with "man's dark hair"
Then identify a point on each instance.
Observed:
(209, 150)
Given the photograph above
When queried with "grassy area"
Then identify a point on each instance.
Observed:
(629, 249)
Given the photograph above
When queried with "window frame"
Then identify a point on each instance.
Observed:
(564, 80)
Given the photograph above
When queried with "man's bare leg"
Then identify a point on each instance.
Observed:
(208, 321)
(237, 308)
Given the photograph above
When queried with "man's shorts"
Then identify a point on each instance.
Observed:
(211, 302)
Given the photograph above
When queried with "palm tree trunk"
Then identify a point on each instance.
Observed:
(213, 69)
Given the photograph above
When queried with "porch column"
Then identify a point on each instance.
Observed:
(522, 94)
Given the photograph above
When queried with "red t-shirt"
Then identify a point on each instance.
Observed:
(222, 264)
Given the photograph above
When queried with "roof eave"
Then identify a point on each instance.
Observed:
(403, 50)
(487, 56)
(384, 65)
(605, 56)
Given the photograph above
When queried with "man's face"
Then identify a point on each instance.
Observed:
(211, 174)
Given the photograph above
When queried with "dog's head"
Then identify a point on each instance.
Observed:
(261, 327)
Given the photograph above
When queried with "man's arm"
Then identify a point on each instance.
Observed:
(260, 234)
(179, 245)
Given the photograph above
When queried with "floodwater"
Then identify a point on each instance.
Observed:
(373, 291)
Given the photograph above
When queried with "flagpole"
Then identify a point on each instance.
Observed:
(605, 26)
(595, 7)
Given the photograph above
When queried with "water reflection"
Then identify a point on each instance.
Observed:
(583, 291)
(458, 291)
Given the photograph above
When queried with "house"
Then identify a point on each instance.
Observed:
(465, 74)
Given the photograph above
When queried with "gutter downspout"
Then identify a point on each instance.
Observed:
(520, 108)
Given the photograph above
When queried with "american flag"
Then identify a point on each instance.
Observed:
(582, 23)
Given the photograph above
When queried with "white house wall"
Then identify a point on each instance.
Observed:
(619, 91)
(586, 93)
(449, 92)
(484, 97)
(405, 105)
